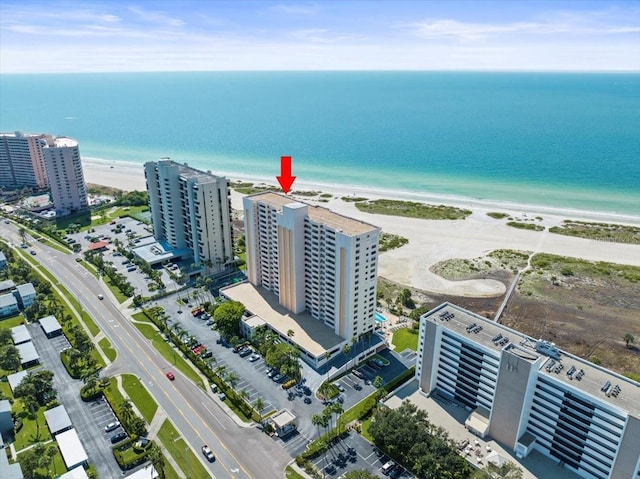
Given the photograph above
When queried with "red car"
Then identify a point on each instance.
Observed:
(170, 375)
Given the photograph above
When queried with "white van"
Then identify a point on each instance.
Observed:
(386, 469)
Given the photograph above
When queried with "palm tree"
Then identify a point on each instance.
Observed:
(290, 333)
(258, 404)
(91, 380)
(317, 420)
(346, 349)
(377, 382)
(244, 394)
(23, 234)
(126, 410)
(232, 379)
(156, 458)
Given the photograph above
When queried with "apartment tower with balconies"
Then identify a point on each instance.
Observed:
(314, 260)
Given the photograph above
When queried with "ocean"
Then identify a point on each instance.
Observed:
(560, 140)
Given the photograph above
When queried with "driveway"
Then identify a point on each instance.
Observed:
(90, 431)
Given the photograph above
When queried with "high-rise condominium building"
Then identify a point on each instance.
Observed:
(527, 394)
(64, 172)
(314, 260)
(190, 210)
(21, 160)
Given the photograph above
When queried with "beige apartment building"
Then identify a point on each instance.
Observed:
(64, 171)
(314, 261)
(21, 160)
(190, 213)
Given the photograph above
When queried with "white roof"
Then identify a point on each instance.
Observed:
(146, 473)
(8, 299)
(16, 378)
(26, 289)
(77, 473)
(57, 419)
(71, 448)
(27, 352)
(283, 418)
(49, 324)
(20, 334)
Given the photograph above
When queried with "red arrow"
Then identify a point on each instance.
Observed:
(285, 179)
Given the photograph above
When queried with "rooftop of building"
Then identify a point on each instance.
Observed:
(62, 142)
(187, 171)
(20, 334)
(7, 284)
(26, 289)
(497, 337)
(310, 334)
(49, 324)
(7, 300)
(344, 224)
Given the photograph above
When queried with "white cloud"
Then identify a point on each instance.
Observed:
(296, 9)
(469, 31)
(157, 17)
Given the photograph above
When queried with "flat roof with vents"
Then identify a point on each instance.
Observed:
(318, 214)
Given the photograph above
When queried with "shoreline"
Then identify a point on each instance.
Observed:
(430, 241)
(126, 172)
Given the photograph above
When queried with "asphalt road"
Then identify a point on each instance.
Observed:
(240, 452)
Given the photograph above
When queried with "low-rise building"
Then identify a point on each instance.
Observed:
(9, 471)
(3, 260)
(20, 334)
(28, 354)
(50, 326)
(8, 305)
(71, 449)
(26, 295)
(7, 286)
(284, 423)
(16, 378)
(58, 420)
(6, 421)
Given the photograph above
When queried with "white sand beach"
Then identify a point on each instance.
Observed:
(431, 241)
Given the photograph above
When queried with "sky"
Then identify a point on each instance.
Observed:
(211, 35)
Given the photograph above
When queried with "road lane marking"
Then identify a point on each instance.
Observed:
(214, 417)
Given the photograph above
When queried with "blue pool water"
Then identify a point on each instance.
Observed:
(380, 318)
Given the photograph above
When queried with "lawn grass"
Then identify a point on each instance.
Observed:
(140, 396)
(177, 447)
(105, 345)
(12, 321)
(27, 435)
(115, 290)
(115, 392)
(405, 338)
(5, 390)
(169, 471)
(365, 429)
(237, 411)
(412, 209)
(291, 474)
(169, 353)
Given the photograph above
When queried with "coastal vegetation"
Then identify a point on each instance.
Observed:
(525, 226)
(247, 188)
(412, 209)
(390, 241)
(354, 199)
(501, 259)
(608, 232)
(496, 215)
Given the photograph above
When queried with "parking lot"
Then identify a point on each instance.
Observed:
(351, 453)
(88, 419)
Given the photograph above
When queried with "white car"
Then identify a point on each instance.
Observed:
(111, 426)
(254, 357)
(208, 453)
(100, 297)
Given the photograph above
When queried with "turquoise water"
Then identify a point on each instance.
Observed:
(380, 318)
(559, 140)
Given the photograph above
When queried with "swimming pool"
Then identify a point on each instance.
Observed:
(380, 318)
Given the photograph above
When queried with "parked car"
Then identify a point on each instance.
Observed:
(378, 362)
(244, 352)
(121, 436)
(112, 426)
(277, 377)
(340, 387)
(208, 453)
(357, 373)
(170, 375)
(33, 253)
(254, 357)
(307, 400)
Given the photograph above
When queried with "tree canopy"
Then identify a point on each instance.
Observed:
(407, 435)
(36, 388)
(227, 317)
